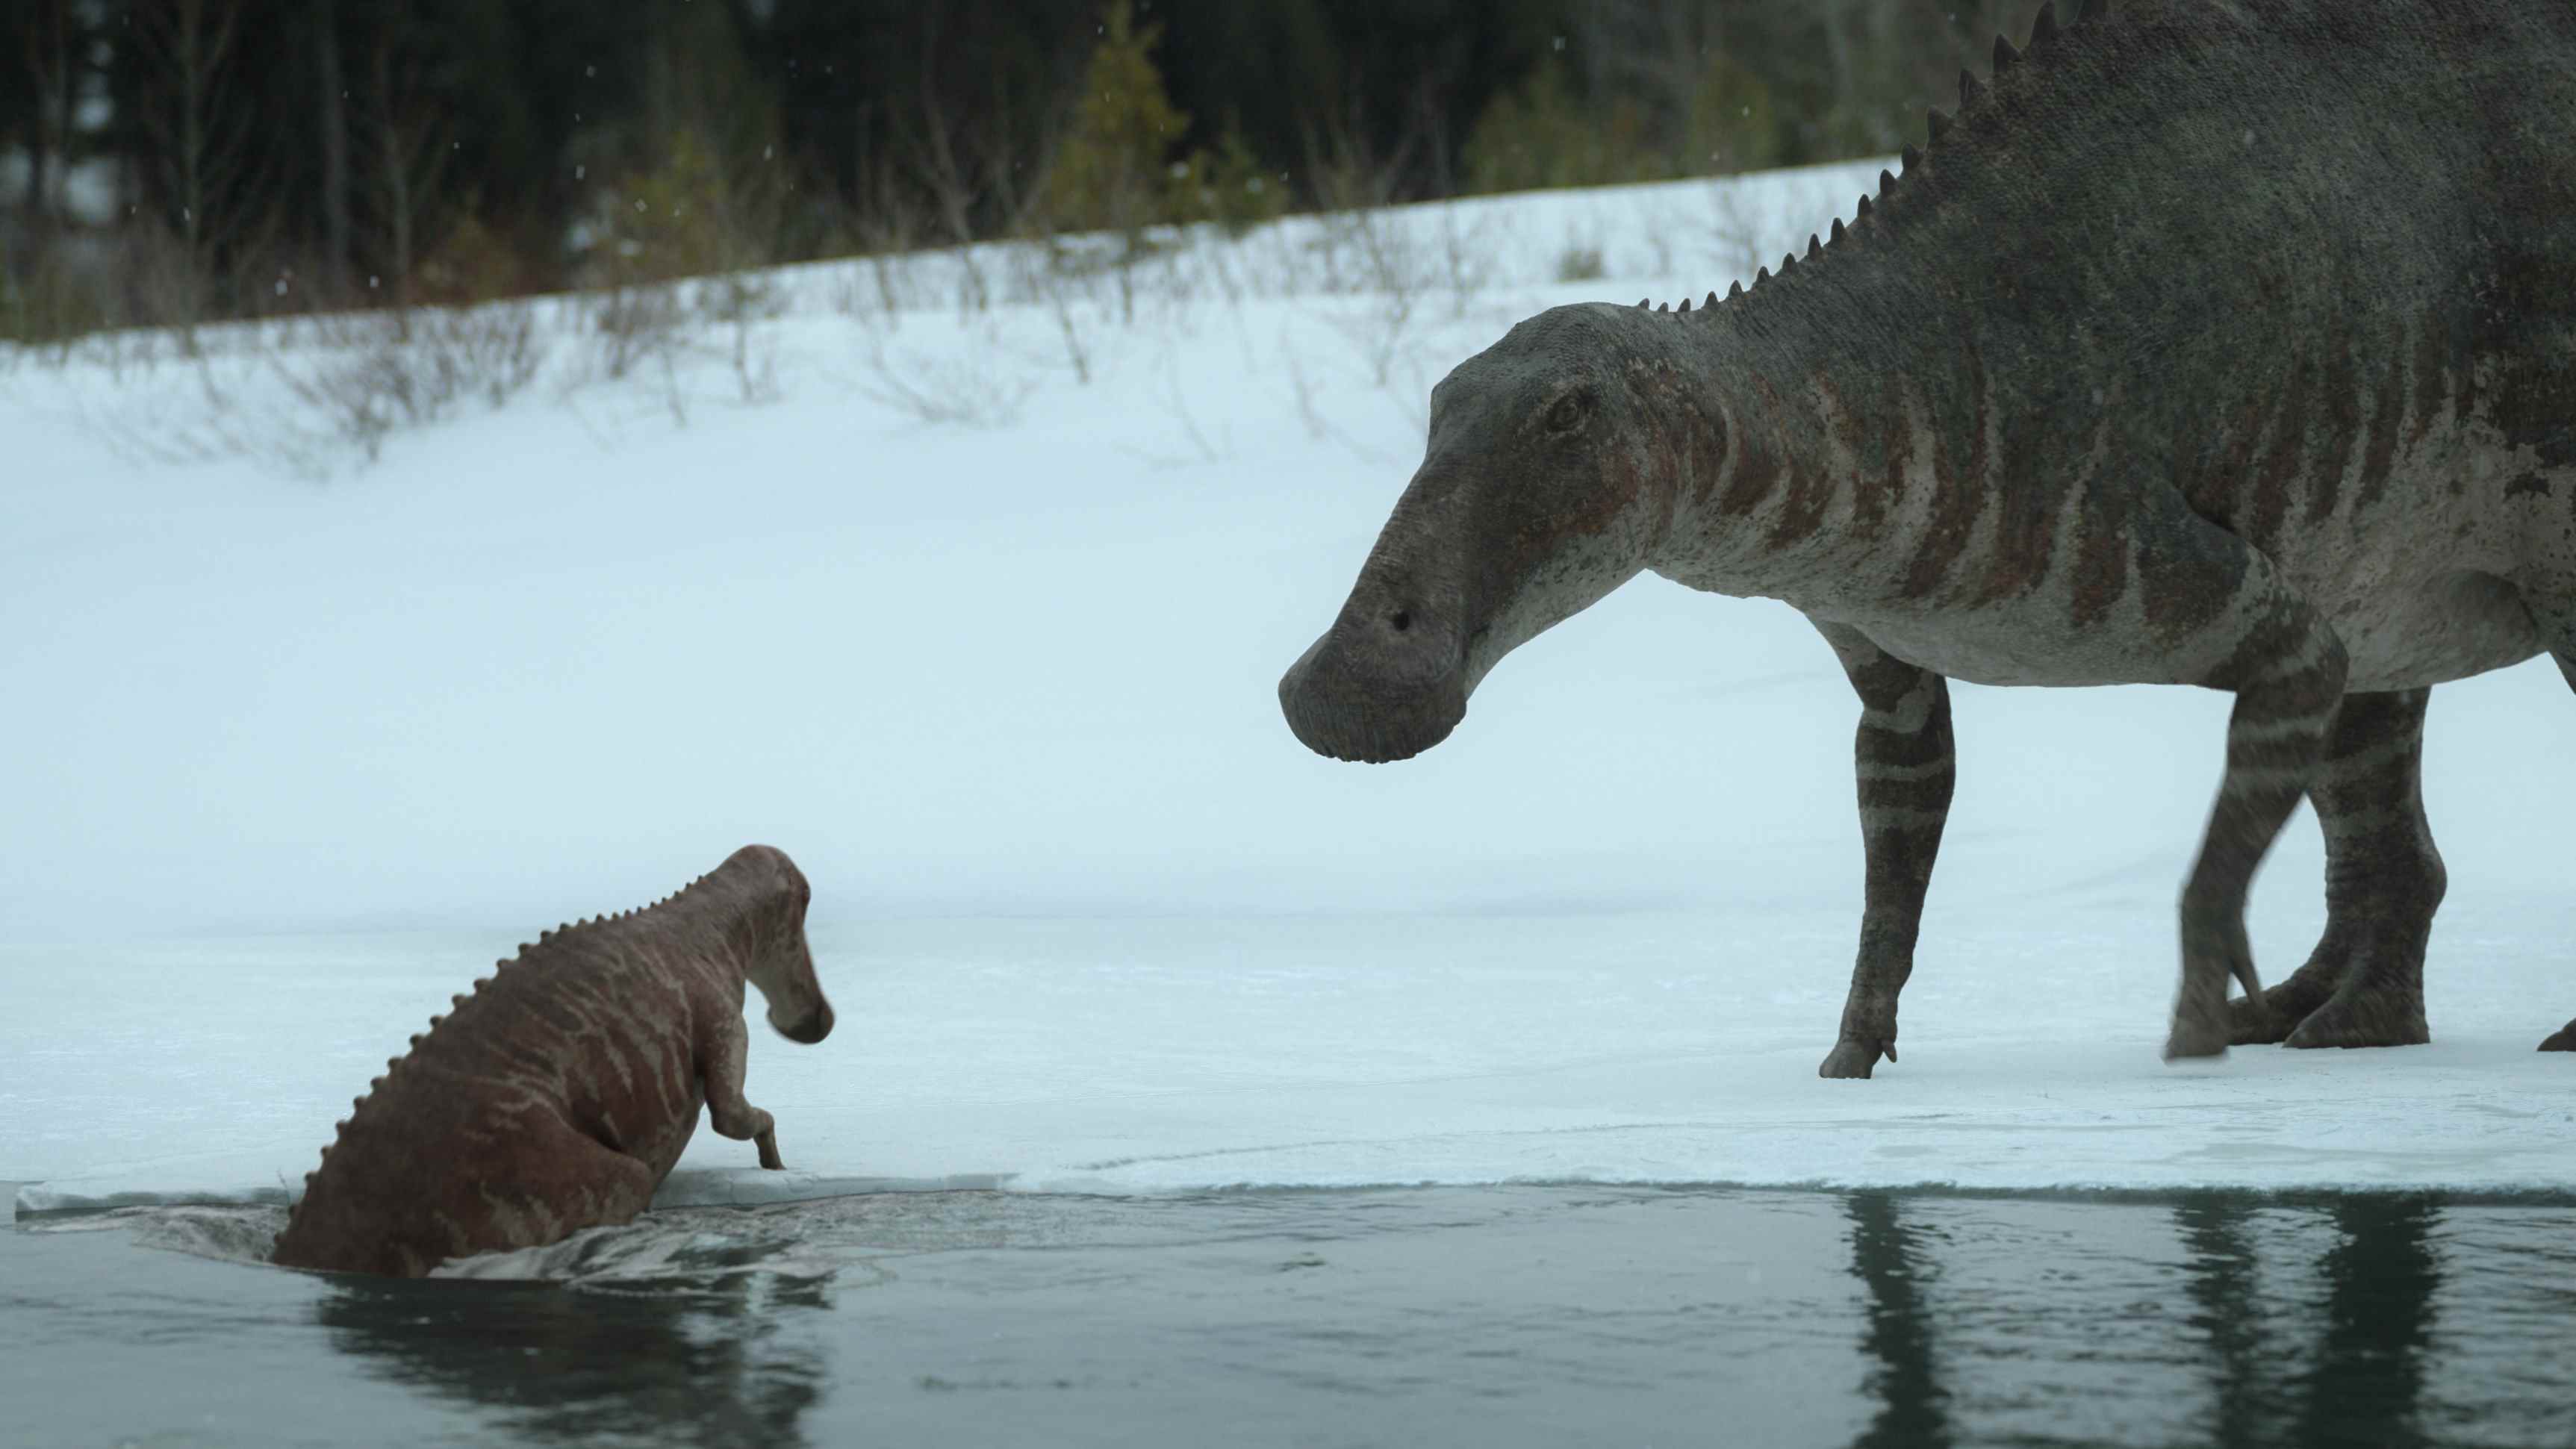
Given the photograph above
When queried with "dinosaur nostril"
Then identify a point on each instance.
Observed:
(1402, 620)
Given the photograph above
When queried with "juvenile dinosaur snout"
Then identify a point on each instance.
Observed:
(1386, 682)
(809, 1029)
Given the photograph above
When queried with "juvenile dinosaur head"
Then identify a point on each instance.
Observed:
(781, 965)
(1554, 462)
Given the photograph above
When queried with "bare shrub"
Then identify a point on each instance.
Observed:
(1735, 233)
(632, 325)
(407, 370)
(1466, 259)
(979, 391)
(1580, 264)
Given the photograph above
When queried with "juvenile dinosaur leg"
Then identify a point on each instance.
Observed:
(2286, 668)
(722, 1060)
(2364, 984)
(567, 1172)
(1905, 764)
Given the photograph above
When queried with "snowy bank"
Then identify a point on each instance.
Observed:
(291, 760)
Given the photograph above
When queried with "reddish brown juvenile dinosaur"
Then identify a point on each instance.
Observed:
(557, 1095)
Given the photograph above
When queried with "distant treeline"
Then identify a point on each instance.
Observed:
(167, 161)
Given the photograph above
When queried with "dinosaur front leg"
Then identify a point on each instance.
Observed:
(2287, 669)
(1905, 765)
(2364, 985)
(723, 1060)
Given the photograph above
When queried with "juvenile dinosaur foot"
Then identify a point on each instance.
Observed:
(2564, 1041)
(2365, 1016)
(1854, 1057)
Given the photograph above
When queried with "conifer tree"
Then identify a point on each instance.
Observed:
(1113, 172)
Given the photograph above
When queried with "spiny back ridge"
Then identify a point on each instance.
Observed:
(1973, 95)
(553, 938)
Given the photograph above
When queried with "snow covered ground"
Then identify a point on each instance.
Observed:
(291, 753)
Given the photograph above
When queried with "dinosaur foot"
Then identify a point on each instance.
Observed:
(2196, 1037)
(2388, 1016)
(2268, 1018)
(1854, 1057)
(2564, 1041)
(2200, 1018)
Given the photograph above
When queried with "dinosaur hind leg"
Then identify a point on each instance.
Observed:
(2563, 648)
(548, 1181)
(2284, 663)
(2364, 984)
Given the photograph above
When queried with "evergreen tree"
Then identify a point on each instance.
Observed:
(1113, 172)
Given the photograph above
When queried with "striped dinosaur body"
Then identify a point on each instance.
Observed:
(2228, 343)
(558, 1094)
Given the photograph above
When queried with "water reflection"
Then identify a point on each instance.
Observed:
(1898, 1334)
(2345, 1364)
(2367, 1384)
(700, 1361)
(2219, 1277)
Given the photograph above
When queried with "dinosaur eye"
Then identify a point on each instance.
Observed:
(1568, 413)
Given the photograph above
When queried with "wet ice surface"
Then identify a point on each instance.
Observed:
(1176, 1055)
(1512, 1315)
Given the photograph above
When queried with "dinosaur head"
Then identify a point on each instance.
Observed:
(1552, 469)
(781, 965)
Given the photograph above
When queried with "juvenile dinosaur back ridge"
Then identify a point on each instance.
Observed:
(2216, 342)
(557, 1094)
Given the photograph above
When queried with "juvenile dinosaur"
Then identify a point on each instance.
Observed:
(2228, 343)
(557, 1095)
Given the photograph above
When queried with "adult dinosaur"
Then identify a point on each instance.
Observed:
(557, 1095)
(2217, 342)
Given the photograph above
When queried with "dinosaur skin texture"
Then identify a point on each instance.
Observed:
(2228, 343)
(557, 1095)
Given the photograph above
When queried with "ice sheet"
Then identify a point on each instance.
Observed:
(1123, 1055)
(285, 763)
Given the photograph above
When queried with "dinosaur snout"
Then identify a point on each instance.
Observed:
(809, 1029)
(1386, 682)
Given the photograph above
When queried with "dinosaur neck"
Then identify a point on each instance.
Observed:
(1883, 391)
(1848, 439)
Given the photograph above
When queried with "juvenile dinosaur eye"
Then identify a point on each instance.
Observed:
(1567, 413)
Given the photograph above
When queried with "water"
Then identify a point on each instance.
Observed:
(1505, 1315)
